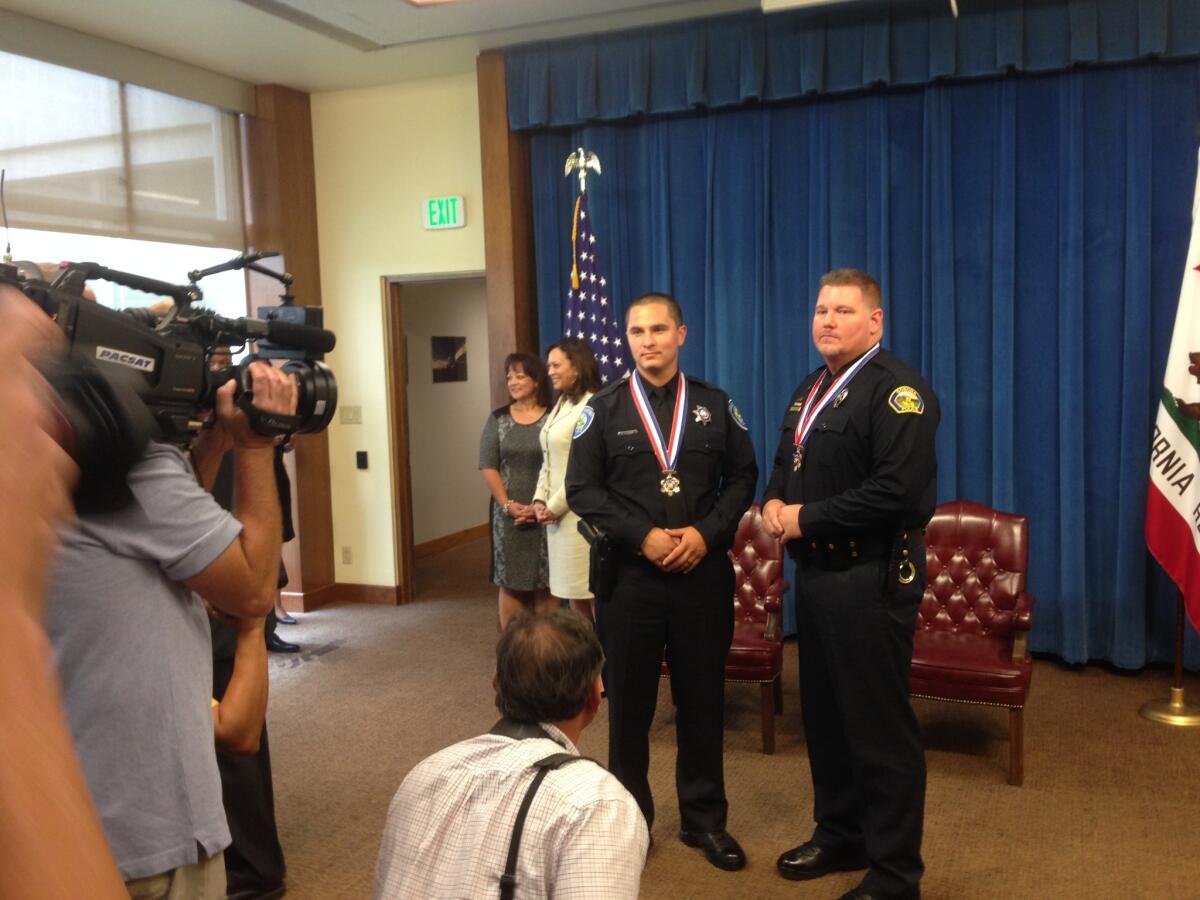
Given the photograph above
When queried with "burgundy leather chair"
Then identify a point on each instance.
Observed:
(756, 654)
(971, 642)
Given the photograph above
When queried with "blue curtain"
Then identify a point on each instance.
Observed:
(730, 60)
(1029, 233)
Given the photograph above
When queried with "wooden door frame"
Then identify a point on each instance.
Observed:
(279, 196)
(391, 289)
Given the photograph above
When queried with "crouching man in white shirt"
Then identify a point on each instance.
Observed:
(453, 830)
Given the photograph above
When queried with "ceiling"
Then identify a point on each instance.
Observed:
(320, 45)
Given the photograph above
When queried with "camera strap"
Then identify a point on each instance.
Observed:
(524, 731)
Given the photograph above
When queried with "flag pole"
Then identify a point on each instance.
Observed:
(1175, 710)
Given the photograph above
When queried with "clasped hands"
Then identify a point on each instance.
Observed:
(782, 520)
(675, 549)
(542, 514)
(521, 513)
(535, 513)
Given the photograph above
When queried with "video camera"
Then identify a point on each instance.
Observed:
(134, 376)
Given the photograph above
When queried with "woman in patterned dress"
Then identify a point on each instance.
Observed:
(510, 456)
(575, 375)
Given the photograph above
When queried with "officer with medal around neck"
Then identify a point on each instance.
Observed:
(852, 488)
(662, 464)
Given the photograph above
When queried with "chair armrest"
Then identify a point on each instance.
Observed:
(773, 630)
(773, 604)
(1020, 651)
(1022, 622)
(777, 589)
(1023, 615)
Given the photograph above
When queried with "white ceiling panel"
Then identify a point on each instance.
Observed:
(319, 45)
(390, 23)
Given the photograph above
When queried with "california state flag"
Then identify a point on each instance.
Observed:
(1173, 500)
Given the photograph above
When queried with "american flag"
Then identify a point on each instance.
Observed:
(590, 313)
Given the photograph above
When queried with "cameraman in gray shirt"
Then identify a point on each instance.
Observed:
(132, 641)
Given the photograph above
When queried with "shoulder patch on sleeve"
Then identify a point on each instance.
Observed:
(905, 399)
(736, 415)
(584, 422)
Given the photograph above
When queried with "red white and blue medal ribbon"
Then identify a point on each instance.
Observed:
(810, 410)
(667, 452)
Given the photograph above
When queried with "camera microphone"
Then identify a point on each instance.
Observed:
(280, 331)
(305, 337)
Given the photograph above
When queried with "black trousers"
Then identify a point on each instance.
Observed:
(855, 634)
(254, 861)
(691, 616)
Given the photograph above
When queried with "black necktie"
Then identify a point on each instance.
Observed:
(664, 409)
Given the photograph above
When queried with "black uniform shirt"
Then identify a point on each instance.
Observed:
(613, 477)
(869, 463)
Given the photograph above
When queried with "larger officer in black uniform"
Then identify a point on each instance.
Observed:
(671, 519)
(852, 488)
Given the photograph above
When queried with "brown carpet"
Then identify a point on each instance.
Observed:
(1109, 807)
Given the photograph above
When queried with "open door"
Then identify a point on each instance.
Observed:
(397, 388)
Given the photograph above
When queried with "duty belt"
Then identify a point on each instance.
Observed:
(836, 554)
(842, 552)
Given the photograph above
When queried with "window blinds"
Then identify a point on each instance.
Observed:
(90, 155)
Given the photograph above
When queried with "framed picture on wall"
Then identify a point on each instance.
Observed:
(449, 359)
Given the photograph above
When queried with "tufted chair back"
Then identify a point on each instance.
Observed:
(972, 639)
(757, 567)
(975, 581)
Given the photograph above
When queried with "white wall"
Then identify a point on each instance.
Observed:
(445, 420)
(379, 152)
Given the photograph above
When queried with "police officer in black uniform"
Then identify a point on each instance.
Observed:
(852, 488)
(663, 465)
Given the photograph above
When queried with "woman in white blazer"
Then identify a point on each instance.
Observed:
(575, 376)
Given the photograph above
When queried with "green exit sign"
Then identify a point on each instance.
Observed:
(443, 212)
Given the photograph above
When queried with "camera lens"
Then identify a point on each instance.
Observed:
(317, 399)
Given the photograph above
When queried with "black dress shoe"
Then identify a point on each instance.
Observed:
(272, 893)
(719, 847)
(810, 861)
(861, 894)
(277, 645)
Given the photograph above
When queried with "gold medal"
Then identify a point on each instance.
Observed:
(669, 484)
(798, 459)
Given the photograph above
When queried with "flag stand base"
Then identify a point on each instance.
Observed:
(1175, 711)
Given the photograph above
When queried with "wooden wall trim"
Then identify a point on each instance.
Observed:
(297, 600)
(450, 541)
(280, 199)
(341, 592)
(507, 225)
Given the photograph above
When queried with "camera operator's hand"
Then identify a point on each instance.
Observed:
(274, 391)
